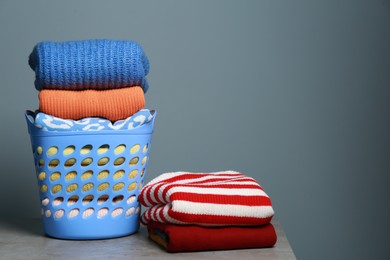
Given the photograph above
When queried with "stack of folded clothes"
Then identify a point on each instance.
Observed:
(90, 78)
(207, 211)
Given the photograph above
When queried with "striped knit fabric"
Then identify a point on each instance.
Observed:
(89, 64)
(206, 199)
(112, 104)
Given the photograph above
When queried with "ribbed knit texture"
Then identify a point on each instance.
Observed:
(113, 104)
(206, 199)
(89, 64)
(176, 238)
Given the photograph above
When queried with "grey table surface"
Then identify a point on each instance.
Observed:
(24, 239)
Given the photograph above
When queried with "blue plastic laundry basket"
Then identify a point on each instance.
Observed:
(89, 181)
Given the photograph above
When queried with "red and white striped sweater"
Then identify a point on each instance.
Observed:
(207, 199)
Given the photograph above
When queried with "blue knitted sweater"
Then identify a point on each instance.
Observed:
(89, 64)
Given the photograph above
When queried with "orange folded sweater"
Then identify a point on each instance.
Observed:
(112, 104)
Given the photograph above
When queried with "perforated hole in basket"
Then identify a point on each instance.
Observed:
(119, 161)
(145, 149)
(45, 202)
(86, 149)
(120, 149)
(73, 213)
(102, 212)
(54, 163)
(52, 151)
(56, 188)
(102, 199)
(87, 187)
(87, 199)
(135, 148)
(144, 160)
(41, 162)
(70, 175)
(103, 149)
(86, 162)
(118, 174)
(71, 187)
(132, 186)
(59, 213)
(86, 175)
(118, 186)
(134, 161)
(104, 186)
(116, 212)
(47, 213)
(117, 199)
(58, 201)
(133, 174)
(73, 200)
(88, 212)
(39, 150)
(43, 188)
(42, 176)
(103, 174)
(130, 211)
(55, 176)
(69, 150)
(103, 161)
(70, 162)
(131, 199)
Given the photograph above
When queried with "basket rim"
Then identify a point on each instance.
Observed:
(141, 130)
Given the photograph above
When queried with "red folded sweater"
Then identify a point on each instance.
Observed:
(177, 238)
(208, 199)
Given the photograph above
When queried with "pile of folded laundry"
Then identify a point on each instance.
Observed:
(94, 85)
(207, 211)
(90, 136)
(90, 78)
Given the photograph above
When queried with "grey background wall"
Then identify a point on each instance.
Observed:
(293, 93)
